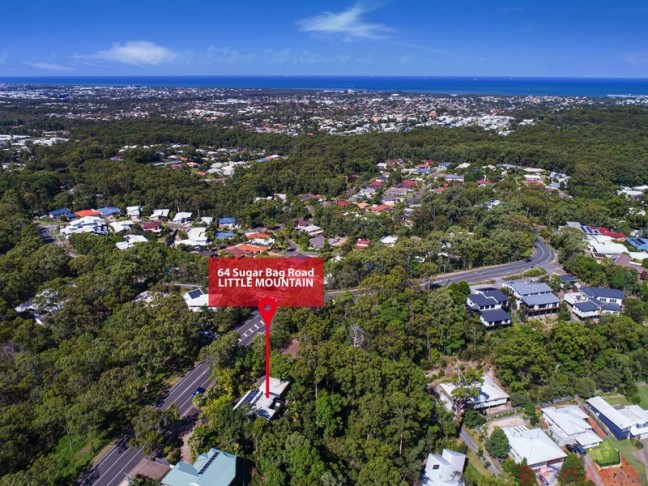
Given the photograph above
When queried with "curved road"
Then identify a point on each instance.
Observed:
(120, 459)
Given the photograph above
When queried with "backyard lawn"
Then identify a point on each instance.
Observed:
(605, 454)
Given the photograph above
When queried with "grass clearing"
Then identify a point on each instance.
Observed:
(643, 395)
(617, 400)
(72, 456)
(605, 454)
(477, 464)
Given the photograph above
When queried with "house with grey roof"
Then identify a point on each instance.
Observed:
(212, 468)
(535, 298)
(570, 425)
(444, 470)
(490, 304)
(534, 446)
(593, 302)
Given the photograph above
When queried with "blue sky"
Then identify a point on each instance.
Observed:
(312, 37)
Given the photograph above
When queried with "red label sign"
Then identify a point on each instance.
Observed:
(243, 282)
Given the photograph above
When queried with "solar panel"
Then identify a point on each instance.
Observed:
(194, 294)
(208, 463)
(252, 396)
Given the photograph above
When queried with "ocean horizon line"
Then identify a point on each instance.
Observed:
(450, 85)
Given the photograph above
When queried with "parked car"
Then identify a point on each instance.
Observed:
(576, 448)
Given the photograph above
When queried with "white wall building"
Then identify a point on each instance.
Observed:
(570, 425)
(445, 469)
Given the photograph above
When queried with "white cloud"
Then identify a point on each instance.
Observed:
(48, 66)
(137, 53)
(348, 23)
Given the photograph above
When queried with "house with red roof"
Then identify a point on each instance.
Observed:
(380, 208)
(152, 226)
(362, 244)
(608, 232)
(87, 212)
(243, 249)
(484, 182)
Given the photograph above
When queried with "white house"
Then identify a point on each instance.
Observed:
(133, 211)
(570, 425)
(195, 237)
(389, 240)
(87, 224)
(262, 406)
(535, 446)
(444, 470)
(181, 218)
(130, 241)
(159, 214)
(196, 299)
(490, 394)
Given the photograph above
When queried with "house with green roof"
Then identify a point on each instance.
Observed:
(212, 468)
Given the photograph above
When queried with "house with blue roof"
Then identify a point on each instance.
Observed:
(212, 468)
(60, 213)
(109, 211)
(227, 223)
(640, 244)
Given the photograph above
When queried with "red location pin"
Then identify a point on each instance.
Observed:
(267, 309)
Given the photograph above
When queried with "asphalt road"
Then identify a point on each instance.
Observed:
(120, 459)
(113, 467)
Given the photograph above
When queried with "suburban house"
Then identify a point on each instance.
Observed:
(153, 227)
(87, 212)
(487, 299)
(490, 395)
(227, 223)
(159, 214)
(133, 211)
(317, 243)
(362, 244)
(444, 470)
(195, 237)
(130, 240)
(536, 447)
(212, 468)
(568, 281)
(312, 230)
(109, 212)
(593, 302)
(262, 406)
(196, 299)
(536, 298)
(86, 224)
(181, 218)
(61, 213)
(624, 422)
(641, 244)
(495, 318)
(570, 425)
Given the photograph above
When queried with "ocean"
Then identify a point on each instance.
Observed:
(587, 87)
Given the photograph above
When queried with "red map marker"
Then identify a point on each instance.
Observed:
(267, 309)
